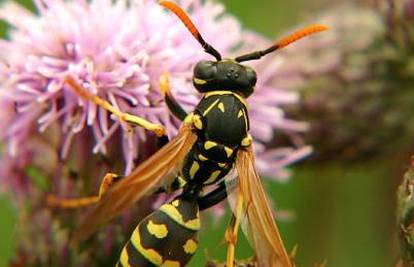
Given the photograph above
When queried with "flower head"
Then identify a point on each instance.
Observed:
(118, 51)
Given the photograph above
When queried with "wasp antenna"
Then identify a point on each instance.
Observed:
(284, 42)
(300, 34)
(191, 27)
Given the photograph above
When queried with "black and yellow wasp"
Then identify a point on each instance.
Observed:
(213, 140)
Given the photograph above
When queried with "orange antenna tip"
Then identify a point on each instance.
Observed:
(182, 16)
(284, 42)
(301, 34)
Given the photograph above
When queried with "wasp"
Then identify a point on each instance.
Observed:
(213, 140)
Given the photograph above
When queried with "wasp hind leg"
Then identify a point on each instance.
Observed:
(213, 198)
(73, 203)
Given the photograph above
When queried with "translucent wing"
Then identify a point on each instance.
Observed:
(262, 230)
(140, 182)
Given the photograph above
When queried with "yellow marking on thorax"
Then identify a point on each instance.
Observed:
(194, 168)
(198, 123)
(158, 230)
(211, 107)
(150, 254)
(213, 177)
(170, 263)
(229, 151)
(222, 92)
(241, 113)
(124, 259)
(190, 246)
(221, 107)
(176, 216)
(222, 165)
(202, 158)
(181, 181)
(209, 145)
(176, 203)
(247, 141)
(246, 123)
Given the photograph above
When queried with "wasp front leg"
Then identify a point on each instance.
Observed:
(172, 104)
(66, 203)
(134, 120)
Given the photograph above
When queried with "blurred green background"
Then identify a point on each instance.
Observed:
(343, 211)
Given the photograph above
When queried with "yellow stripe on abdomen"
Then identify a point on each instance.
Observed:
(150, 254)
(176, 216)
(124, 258)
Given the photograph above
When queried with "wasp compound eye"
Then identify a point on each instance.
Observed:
(205, 70)
(205, 73)
(251, 76)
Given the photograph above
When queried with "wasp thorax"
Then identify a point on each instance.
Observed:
(224, 75)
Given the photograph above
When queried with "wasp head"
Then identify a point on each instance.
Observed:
(224, 75)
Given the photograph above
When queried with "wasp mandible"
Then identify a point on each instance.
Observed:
(213, 140)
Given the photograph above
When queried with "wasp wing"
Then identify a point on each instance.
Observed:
(139, 183)
(261, 229)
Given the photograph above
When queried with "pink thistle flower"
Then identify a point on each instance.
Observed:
(118, 51)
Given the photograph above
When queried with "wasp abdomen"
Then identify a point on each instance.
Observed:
(167, 237)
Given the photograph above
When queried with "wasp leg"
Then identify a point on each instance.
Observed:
(162, 141)
(172, 104)
(213, 198)
(177, 184)
(233, 229)
(74, 203)
(125, 117)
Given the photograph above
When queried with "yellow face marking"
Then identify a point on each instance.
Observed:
(211, 107)
(202, 158)
(198, 123)
(227, 93)
(190, 246)
(170, 263)
(176, 203)
(221, 107)
(213, 177)
(124, 259)
(247, 141)
(150, 254)
(158, 230)
(240, 114)
(175, 215)
(209, 145)
(194, 168)
(229, 151)
(199, 81)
